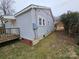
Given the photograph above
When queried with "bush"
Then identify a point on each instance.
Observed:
(71, 22)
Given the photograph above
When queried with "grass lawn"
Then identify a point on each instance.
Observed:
(55, 46)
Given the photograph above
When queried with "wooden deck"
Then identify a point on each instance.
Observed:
(8, 37)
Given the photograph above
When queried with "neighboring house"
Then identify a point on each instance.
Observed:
(57, 22)
(35, 22)
(8, 29)
(10, 21)
(59, 26)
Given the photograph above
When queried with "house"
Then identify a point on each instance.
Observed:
(11, 22)
(59, 26)
(35, 23)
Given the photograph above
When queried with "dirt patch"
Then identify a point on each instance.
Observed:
(64, 44)
(72, 53)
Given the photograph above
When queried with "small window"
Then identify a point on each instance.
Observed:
(43, 22)
(40, 21)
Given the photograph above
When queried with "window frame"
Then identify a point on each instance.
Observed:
(43, 22)
(40, 21)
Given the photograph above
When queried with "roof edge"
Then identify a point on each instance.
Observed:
(30, 7)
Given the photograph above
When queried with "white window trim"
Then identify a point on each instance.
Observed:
(41, 21)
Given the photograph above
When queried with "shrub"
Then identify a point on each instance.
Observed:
(71, 22)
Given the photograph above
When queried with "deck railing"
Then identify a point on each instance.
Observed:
(15, 31)
(7, 34)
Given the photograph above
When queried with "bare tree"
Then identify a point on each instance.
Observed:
(6, 7)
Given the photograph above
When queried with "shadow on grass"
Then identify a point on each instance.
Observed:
(9, 42)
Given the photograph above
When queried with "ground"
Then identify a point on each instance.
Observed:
(55, 46)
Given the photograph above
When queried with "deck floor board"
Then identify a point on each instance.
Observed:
(8, 37)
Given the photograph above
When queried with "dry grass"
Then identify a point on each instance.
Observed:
(52, 47)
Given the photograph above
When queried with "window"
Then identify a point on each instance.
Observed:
(40, 23)
(43, 22)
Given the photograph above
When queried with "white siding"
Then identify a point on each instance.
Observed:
(34, 21)
(24, 22)
(8, 24)
(48, 27)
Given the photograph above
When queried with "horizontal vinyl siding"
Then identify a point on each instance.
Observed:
(48, 27)
(24, 22)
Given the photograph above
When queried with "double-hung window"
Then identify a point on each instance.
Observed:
(40, 21)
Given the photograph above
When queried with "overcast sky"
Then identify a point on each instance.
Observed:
(58, 6)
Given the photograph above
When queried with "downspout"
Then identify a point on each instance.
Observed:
(36, 25)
